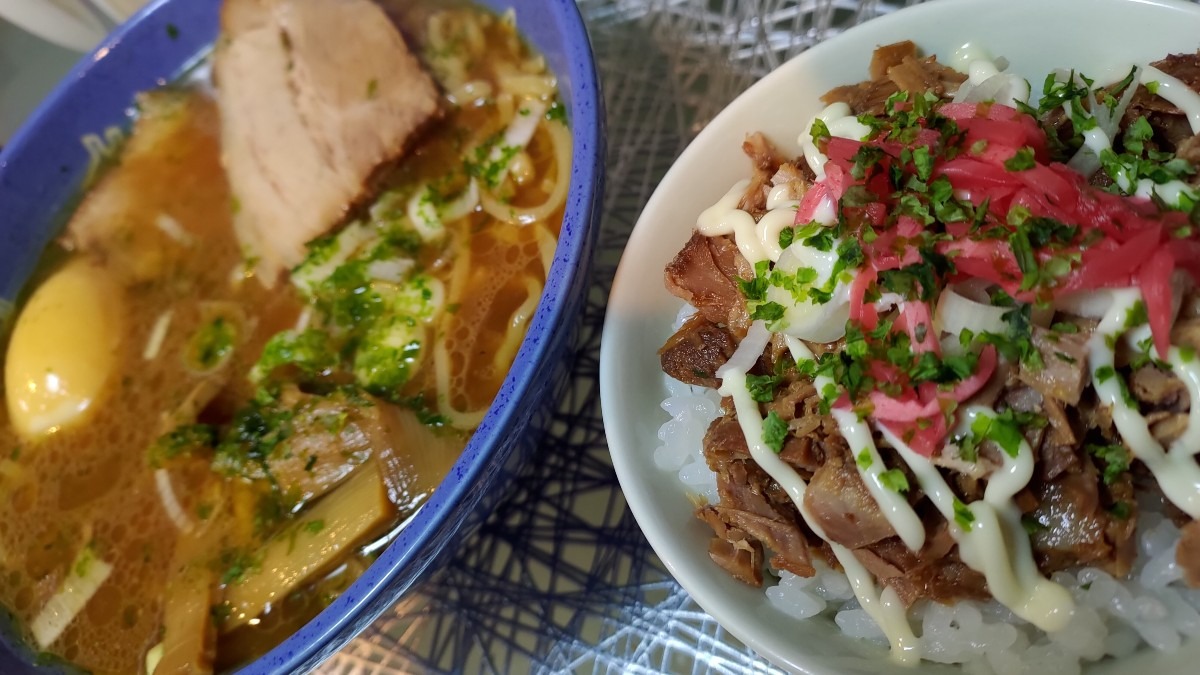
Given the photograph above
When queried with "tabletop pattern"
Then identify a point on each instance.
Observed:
(561, 579)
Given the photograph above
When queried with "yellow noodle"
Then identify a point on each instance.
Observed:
(474, 93)
(458, 419)
(516, 325)
(534, 86)
(101, 150)
(547, 244)
(521, 168)
(561, 139)
(535, 65)
(461, 268)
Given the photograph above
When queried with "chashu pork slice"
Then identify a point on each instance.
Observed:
(314, 96)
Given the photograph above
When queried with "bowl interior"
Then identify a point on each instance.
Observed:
(1094, 36)
(44, 165)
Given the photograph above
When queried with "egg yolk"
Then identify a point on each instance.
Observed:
(63, 350)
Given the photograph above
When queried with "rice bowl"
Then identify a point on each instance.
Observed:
(40, 175)
(780, 106)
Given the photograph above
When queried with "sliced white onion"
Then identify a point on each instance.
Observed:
(524, 124)
(430, 220)
(955, 313)
(83, 579)
(391, 271)
(166, 494)
(748, 350)
(463, 204)
(1086, 304)
(171, 227)
(158, 334)
(1108, 124)
(153, 657)
(354, 236)
(424, 216)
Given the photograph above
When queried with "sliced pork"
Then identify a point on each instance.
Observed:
(315, 96)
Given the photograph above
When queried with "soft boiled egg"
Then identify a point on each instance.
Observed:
(63, 349)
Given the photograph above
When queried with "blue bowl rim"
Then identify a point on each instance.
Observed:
(570, 266)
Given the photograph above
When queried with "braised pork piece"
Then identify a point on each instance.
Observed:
(315, 96)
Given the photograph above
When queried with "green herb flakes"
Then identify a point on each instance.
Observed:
(864, 459)
(775, 431)
(894, 480)
(963, 516)
(1116, 460)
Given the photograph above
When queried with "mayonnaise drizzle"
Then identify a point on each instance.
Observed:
(725, 218)
(841, 122)
(1179, 94)
(885, 608)
(894, 505)
(756, 241)
(1176, 472)
(1011, 572)
(996, 544)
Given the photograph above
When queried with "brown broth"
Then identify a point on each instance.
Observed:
(92, 484)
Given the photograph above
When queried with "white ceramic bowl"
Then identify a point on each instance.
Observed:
(1036, 36)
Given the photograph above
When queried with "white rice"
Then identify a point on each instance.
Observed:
(1113, 617)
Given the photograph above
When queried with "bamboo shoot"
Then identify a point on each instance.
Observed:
(318, 540)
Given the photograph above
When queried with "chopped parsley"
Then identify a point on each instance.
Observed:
(1006, 429)
(894, 480)
(762, 387)
(557, 112)
(963, 516)
(1031, 525)
(235, 564)
(775, 431)
(819, 133)
(212, 344)
(311, 352)
(1116, 460)
(767, 311)
(490, 161)
(181, 441)
(864, 459)
(1021, 161)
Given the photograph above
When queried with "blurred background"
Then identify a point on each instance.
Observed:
(561, 578)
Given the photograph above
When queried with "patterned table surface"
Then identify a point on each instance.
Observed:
(561, 579)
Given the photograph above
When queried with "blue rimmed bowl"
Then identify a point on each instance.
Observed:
(41, 172)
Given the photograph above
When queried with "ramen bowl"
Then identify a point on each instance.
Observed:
(1036, 38)
(44, 165)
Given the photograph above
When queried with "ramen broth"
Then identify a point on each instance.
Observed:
(163, 542)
